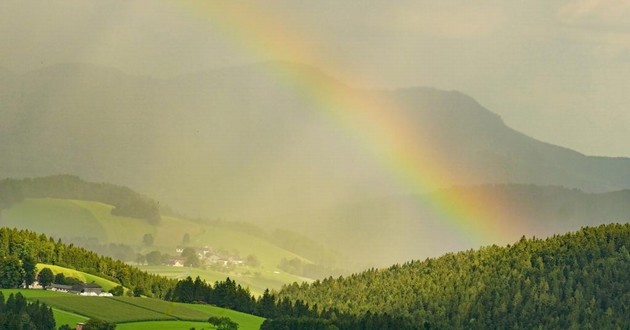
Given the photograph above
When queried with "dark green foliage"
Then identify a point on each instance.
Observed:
(96, 324)
(225, 294)
(154, 258)
(117, 291)
(191, 257)
(43, 249)
(11, 272)
(28, 264)
(17, 313)
(223, 323)
(578, 280)
(46, 277)
(126, 202)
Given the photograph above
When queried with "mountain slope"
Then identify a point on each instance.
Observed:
(242, 143)
(577, 280)
(382, 231)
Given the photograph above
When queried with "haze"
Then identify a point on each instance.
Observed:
(350, 123)
(557, 71)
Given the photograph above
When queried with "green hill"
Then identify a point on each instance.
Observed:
(577, 280)
(82, 276)
(87, 221)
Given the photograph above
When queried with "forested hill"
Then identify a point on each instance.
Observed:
(126, 202)
(19, 248)
(577, 280)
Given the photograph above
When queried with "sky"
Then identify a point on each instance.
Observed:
(556, 70)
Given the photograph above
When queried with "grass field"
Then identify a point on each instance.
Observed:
(84, 277)
(104, 308)
(175, 310)
(75, 218)
(134, 313)
(170, 325)
(63, 317)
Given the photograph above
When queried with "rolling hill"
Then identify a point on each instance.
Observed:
(92, 224)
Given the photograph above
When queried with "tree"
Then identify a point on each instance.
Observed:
(45, 277)
(223, 323)
(186, 239)
(11, 272)
(60, 278)
(96, 324)
(117, 290)
(147, 239)
(191, 257)
(154, 258)
(28, 264)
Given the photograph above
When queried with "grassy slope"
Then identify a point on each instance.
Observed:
(135, 313)
(85, 277)
(73, 218)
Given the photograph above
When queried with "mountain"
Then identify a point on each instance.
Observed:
(257, 143)
(576, 280)
(221, 142)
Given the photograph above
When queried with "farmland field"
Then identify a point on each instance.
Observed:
(170, 325)
(133, 312)
(63, 317)
(175, 310)
(245, 321)
(104, 308)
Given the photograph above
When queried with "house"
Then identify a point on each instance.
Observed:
(87, 289)
(176, 262)
(61, 287)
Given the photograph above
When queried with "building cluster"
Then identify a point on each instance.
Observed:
(82, 289)
(207, 256)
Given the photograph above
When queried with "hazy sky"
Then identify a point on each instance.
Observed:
(556, 70)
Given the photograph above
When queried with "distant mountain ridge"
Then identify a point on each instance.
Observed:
(240, 144)
(89, 121)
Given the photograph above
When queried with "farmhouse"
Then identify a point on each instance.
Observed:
(61, 287)
(176, 262)
(87, 288)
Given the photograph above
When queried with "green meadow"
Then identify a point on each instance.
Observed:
(133, 312)
(76, 218)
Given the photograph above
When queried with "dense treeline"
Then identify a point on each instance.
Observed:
(578, 280)
(281, 314)
(22, 247)
(126, 202)
(17, 313)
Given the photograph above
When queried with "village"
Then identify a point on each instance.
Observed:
(204, 256)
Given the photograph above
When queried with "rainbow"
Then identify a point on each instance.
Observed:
(374, 121)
